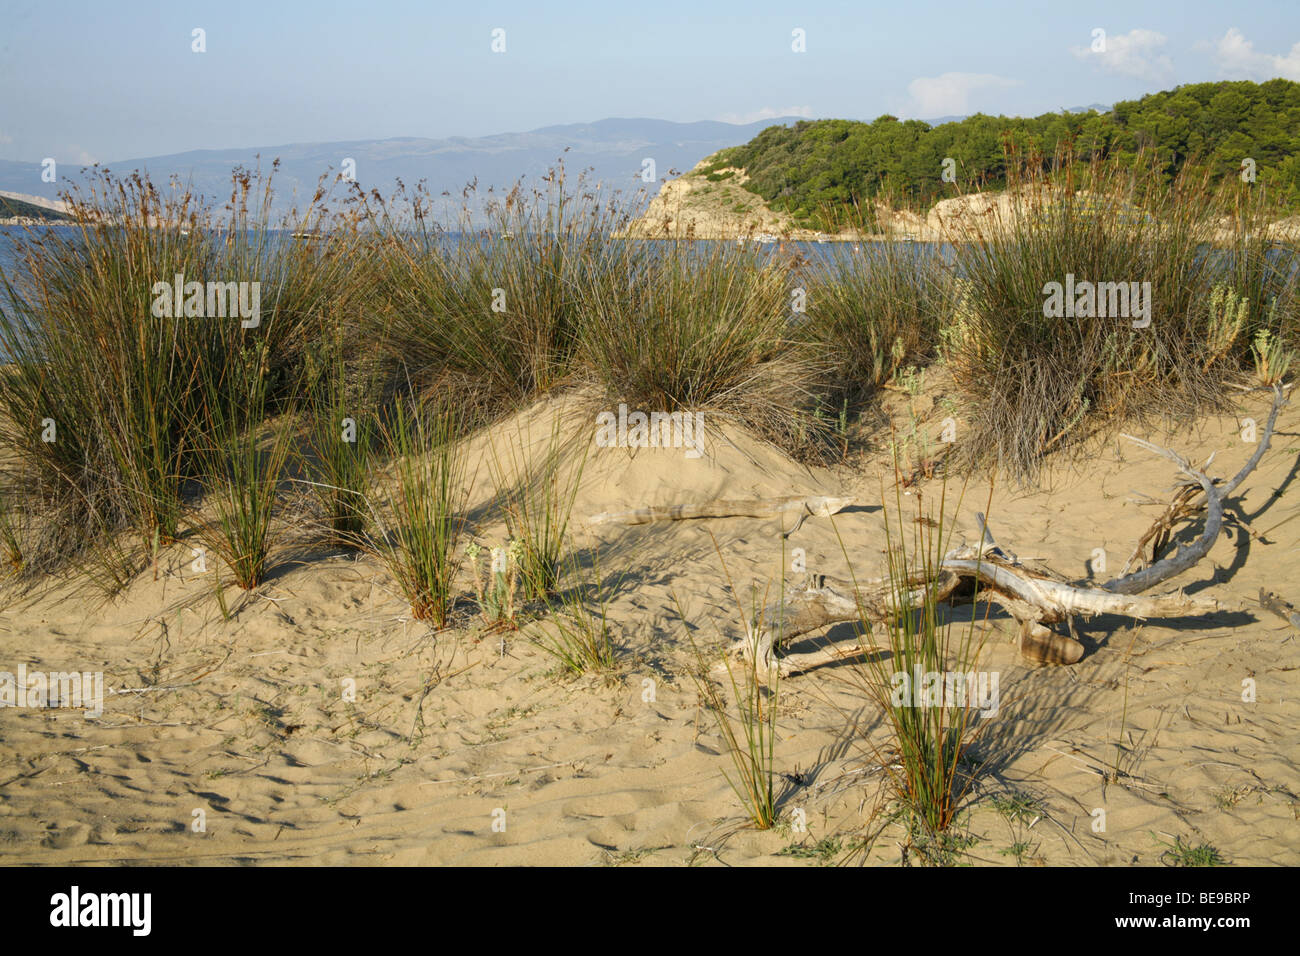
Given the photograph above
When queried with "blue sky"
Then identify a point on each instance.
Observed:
(95, 81)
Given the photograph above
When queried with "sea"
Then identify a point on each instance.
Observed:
(803, 254)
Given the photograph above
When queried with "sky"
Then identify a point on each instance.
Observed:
(101, 82)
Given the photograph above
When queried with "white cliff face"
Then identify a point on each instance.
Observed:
(692, 207)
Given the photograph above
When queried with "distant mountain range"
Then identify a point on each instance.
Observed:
(613, 149)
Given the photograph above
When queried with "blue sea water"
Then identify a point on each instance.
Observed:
(809, 253)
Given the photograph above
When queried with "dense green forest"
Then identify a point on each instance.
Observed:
(811, 166)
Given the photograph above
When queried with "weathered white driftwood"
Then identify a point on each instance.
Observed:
(1187, 502)
(1033, 598)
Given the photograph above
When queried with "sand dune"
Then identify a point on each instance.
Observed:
(246, 720)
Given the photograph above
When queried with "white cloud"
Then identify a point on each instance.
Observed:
(1136, 53)
(767, 112)
(949, 93)
(1237, 59)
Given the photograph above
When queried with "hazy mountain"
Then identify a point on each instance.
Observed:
(614, 149)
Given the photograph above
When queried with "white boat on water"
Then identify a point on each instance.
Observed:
(766, 238)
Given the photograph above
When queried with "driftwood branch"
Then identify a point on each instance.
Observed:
(1189, 500)
(1033, 598)
(1183, 558)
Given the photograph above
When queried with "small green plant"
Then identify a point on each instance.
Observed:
(1272, 358)
(1179, 853)
(425, 502)
(1021, 811)
(1018, 808)
(538, 496)
(1227, 316)
(578, 634)
(1019, 850)
(1229, 797)
(495, 591)
(910, 380)
(823, 851)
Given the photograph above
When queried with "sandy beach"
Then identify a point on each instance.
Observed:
(239, 741)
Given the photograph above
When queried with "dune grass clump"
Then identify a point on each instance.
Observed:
(112, 385)
(931, 724)
(241, 476)
(12, 534)
(421, 515)
(748, 728)
(341, 441)
(748, 731)
(537, 493)
(1033, 381)
(876, 312)
(577, 632)
(493, 309)
(690, 329)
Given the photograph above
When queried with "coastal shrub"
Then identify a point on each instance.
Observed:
(104, 400)
(1036, 381)
(699, 329)
(492, 311)
(875, 312)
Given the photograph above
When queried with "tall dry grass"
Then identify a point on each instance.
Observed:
(1033, 383)
(108, 400)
